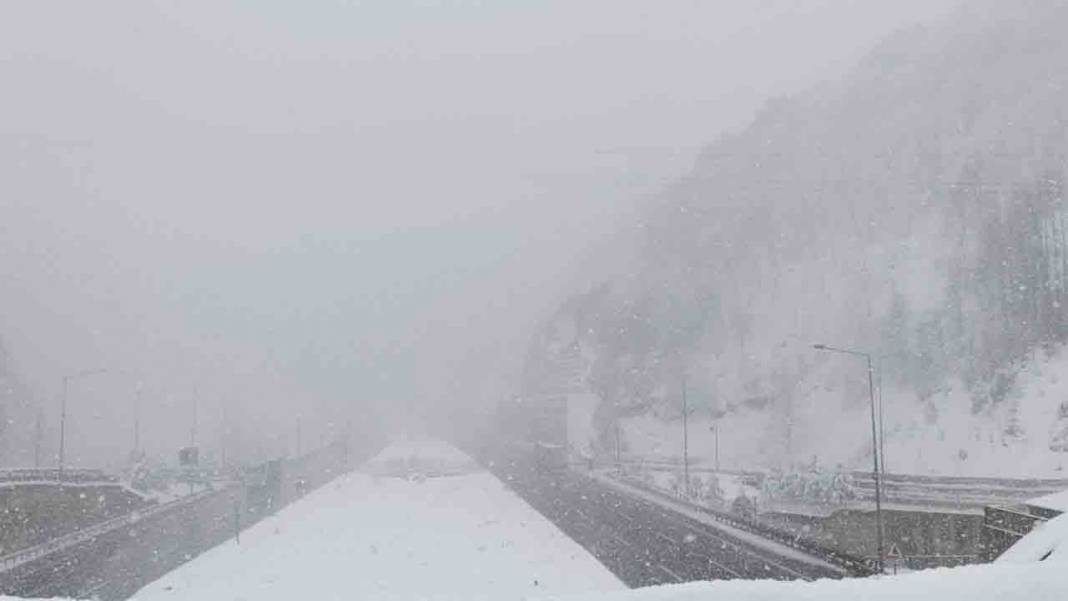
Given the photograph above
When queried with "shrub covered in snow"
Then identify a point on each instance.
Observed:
(813, 485)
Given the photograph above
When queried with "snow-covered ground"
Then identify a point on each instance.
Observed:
(1033, 582)
(1045, 581)
(418, 458)
(1057, 501)
(1047, 542)
(467, 537)
(367, 536)
(1024, 436)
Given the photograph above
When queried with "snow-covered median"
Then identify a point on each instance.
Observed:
(467, 537)
(417, 458)
(370, 537)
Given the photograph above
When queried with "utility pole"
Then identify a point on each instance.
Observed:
(882, 431)
(63, 425)
(685, 440)
(619, 442)
(875, 448)
(222, 438)
(137, 422)
(715, 437)
(37, 440)
(789, 426)
(237, 518)
(298, 436)
(876, 473)
(193, 426)
(193, 440)
(63, 414)
(619, 448)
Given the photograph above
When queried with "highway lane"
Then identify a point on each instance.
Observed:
(646, 544)
(739, 558)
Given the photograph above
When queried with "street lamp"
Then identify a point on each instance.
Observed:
(685, 440)
(137, 421)
(714, 428)
(63, 411)
(615, 419)
(874, 448)
(139, 381)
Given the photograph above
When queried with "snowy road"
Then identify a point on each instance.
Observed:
(365, 537)
(646, 544)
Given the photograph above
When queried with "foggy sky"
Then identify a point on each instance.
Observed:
(331, 208)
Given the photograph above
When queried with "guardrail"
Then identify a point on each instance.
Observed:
(970, 492)
(985, 481)
(50, 475)
(859, 477)
(909, 489)
(66, 541)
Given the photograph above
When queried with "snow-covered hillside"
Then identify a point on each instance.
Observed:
(942, 435)
(914, 211)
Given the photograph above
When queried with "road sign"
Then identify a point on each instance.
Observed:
(188, 457)
(894, 552)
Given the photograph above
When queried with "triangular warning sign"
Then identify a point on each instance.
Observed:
(894, 553)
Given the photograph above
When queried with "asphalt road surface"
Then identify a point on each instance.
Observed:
(646, 544)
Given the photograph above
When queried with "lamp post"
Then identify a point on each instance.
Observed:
(137, 422)
(193, 421)
(874, 448)
(63, 412)
(882, 432)
(139, 384)
(619, 448)
(37, 440)
(714, 428)
(685, 441)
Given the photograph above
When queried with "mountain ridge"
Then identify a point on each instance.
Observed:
(913, 209)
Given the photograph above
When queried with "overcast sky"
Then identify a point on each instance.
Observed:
(318, 207)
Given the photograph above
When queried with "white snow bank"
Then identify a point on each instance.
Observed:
(1047, 542)
(992, 582)
(1034, 582)
(420, 457)
(363, 537)
(1057, 501)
